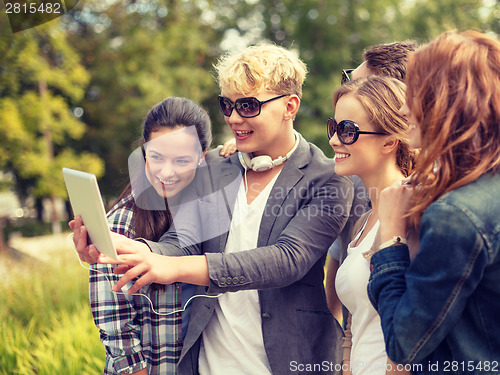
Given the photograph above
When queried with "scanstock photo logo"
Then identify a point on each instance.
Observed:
(26, 14)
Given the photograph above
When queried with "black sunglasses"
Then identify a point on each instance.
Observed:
(245, 107)
(347, 131)
(345, 75)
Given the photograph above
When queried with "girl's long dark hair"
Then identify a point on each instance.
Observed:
(171, 113)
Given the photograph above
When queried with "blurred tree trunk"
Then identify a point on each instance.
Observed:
(39, 209)
(3, 244)
(47, 136)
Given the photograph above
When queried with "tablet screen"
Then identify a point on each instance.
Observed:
(86, 201)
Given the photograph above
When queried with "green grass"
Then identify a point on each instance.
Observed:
(46, 326)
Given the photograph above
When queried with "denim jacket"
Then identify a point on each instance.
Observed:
(441, 313)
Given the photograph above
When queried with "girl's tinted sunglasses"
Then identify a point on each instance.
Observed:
(347, 131)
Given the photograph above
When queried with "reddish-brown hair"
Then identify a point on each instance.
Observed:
(453, 90)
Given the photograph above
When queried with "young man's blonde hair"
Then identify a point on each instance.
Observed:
(264, 67)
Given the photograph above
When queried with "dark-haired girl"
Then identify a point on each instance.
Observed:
(144, 335)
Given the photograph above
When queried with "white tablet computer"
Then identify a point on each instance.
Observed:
(86, 201)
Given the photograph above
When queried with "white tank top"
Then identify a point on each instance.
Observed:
(368, 356)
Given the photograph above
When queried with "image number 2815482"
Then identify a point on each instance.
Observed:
(26, 14)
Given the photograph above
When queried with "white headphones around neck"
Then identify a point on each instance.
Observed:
(264, 162)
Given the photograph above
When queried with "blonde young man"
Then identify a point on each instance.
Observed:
(286, 211)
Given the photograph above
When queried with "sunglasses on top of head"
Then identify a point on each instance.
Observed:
(345, 75)
(245, 107)
(347, 131)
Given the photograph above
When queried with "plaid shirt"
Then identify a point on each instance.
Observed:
(133, 335)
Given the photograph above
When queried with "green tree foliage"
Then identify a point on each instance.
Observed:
(41, 78)
(331, 35)
(328, 35)
(139, 52)
(427, 19)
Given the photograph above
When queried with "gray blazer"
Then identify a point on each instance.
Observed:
(306, 209)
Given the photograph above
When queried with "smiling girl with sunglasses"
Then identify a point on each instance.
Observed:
(369, 138)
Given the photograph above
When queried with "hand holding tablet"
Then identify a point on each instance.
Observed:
(86, 202)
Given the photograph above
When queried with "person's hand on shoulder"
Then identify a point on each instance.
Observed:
(228, 148)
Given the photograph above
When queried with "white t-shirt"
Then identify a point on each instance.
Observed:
(232, 342)
(368, 356)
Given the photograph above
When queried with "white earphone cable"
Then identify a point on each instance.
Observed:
(245, 181)
(141, 294)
